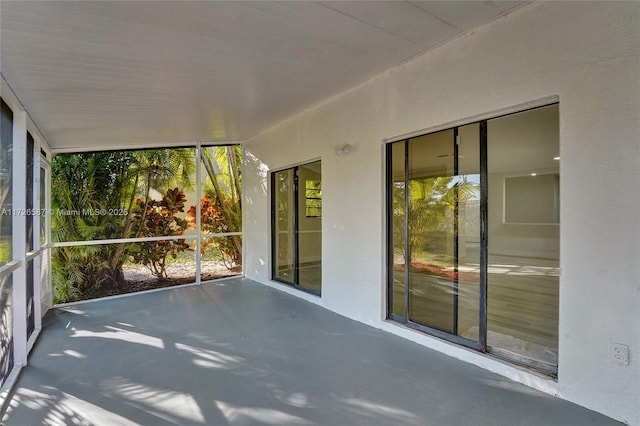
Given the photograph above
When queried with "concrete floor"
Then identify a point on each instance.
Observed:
(235, 352)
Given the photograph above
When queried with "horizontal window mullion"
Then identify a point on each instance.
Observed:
(32, 255)
(121, 240)
(8, 268)
(221, 234)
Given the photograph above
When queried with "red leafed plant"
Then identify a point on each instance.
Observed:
(215, 220)
(158, 218)
(430, 268)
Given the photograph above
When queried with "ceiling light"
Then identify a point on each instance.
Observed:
(556, 158)
(534, 174)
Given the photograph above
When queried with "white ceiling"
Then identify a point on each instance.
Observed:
(96, 74)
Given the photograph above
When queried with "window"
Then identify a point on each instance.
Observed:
(313, 199)
(473, 241)
(296, 226)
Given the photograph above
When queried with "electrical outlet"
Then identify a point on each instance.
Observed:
(619, 353)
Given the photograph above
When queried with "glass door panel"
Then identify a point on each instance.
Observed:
(524, 236)
(467, 231)
(284, 237)
(397, 229)
(436, 209)
(431, 230)
(310, 226)
(473, 232)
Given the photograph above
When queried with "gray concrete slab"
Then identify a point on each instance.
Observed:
(235, 352)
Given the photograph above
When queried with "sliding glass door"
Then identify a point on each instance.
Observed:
(435, 255)
(523, 228)
(473, 221)
(284, 225)
(297, 226)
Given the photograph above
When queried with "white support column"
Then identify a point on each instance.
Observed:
(36, 195)
(198, 213)
(19, 240)
(37, 261)
(48, 183)
(46, 290)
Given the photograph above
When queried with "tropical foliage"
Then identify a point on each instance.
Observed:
(129, 194)
(430, 205)
(223, 198)
(154, 219)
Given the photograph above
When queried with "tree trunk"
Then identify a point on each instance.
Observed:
(237, 243)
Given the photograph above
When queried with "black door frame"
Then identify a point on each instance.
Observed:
(274, 217)
(481, 344)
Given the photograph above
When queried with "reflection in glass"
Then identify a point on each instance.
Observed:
(309, 228)
(284, 224)
(297, 226)
(436, 203)
(313, 198)
(467, 233)
(523, 257)
(442, 221)
(6, 182)
(397, 228)
(430, 230)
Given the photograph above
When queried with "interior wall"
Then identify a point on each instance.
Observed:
(519, 145)
(584, 54)
(514, 239)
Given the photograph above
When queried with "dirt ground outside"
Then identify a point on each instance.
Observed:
(139, 278)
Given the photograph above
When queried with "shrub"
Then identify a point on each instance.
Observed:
(154, 219)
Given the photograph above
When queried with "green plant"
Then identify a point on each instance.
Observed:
(221, 206)
(119, 181)
(431, 204)
(213, 220)
(86, 183)
(155, 219)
